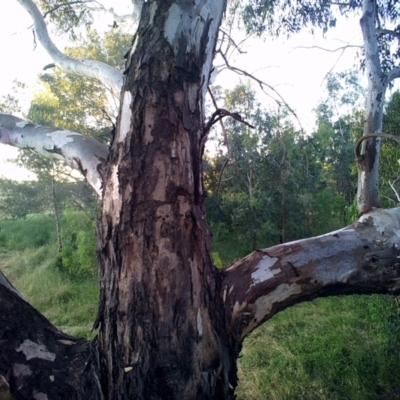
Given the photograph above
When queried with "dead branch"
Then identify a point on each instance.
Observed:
(329, 50)
(262, 85)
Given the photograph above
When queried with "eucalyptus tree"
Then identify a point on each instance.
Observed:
(380, 28)
(170, 324)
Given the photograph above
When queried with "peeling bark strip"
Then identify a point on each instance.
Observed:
(79, 152)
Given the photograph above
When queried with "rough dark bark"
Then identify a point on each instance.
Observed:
(161, 332)
(37, 361)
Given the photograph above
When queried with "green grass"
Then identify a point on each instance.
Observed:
(31, 232)
(68, 303)
(330, 349)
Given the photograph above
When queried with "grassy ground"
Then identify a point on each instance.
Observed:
(69, 304)
(329, 349)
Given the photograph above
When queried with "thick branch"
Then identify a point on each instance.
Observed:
(362, 258)
(79, 152)
(108, 75)
(37, 361)
(393, 74)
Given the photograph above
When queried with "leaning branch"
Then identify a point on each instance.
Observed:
(79, 152)
(362, 258)
(108, 75)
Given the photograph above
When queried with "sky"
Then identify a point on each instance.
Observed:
(295, 71)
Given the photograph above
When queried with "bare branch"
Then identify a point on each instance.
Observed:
(329, 50)
(262, 85)
(231, 41)
(62, 5)
(49, 66)
(108, 75)
(394, 189)
(79, 152)
(362, 258)
(226, 142)
(221, 113)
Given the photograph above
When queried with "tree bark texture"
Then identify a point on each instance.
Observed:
(170, 324)
(160, 333)
(85, 154)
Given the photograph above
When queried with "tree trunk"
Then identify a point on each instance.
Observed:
(162, 320)
(368, 161)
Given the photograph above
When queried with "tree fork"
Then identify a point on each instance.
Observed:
(161, 332)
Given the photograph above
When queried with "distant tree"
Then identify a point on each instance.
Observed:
(380, 27)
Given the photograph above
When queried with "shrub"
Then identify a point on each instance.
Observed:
(78, 255)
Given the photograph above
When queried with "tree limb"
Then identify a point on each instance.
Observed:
(382, 32)
(329, 50)
(362, 258)
(108, 75)
(37, 361)
(393, 74)
(373, 135)
(79, 152)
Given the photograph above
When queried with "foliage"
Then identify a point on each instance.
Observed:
(78, 103)
(18, 199)
(10, 103)
(70, 304)
(390, 154)
(278, 184)
(21, 234)
(67, 16)
(78, 255)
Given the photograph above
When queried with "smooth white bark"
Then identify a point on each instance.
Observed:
(362, 258)
(79, 152)
(111, 77)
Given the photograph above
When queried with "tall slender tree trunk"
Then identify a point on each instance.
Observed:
(368, 161)
(162, 328)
